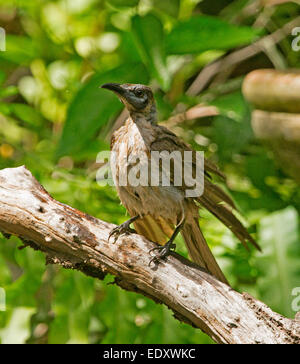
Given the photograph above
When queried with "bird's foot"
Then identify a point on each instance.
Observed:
(163, 251)
(120, 230)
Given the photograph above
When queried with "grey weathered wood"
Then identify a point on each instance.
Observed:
(273, 90)
(76, 240)
(275, 96)
(281, 132)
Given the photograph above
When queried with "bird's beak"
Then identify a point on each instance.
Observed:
(115, 87)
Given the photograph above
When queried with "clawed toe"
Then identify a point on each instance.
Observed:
(120, 230)
(153, 249)
(113, 232)
(152, 260)
(164, 251)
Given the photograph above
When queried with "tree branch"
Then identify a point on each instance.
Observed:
(238, 56)
(76, 240)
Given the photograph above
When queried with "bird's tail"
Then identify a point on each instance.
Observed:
(158, 230)
(199, 250)
(154, 229)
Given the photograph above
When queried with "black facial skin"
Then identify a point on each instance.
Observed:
(135, 95)
(138, 98)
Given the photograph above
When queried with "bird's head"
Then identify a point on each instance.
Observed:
(138, 99)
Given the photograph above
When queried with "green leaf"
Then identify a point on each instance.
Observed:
(2, 77)
(280, 263)
(9, 91)
(128, 50)
(4, 108)
(149, 37)
(232, 105)
(258, 168)
(18, 327)
(231, 136)
(232, 130)
(20, 50)
(92, 107)
(170, 7)
(26, 113)
(203, 33)
(123, 3)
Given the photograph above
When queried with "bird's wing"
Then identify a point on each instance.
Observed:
(155, 229)
(214, 199)
(210, 166)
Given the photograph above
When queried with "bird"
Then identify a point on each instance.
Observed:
(160, 212)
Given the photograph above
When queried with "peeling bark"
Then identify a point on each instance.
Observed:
(75, 240)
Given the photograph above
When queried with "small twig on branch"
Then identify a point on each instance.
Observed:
(208, 72)
(195, 112)
(76, 240)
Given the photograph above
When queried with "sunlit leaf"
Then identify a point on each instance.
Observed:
(9, 91)
(26, 113)
(170, 7)
(20, 49)
(202, 33)
(123, 3)
(18, 327)
(280, 262)
(92, 107)
(149, 37)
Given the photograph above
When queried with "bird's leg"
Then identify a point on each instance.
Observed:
(164, 251)
(123, 228)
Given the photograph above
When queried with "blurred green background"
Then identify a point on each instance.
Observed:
(55, 119)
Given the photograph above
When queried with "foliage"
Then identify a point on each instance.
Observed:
(55, 119)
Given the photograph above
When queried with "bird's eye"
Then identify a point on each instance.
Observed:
(139, 93)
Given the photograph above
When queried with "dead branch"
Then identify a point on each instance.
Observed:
(195, 112)
(281, 132)
(273, 90)
(76, 240)
(238, 56)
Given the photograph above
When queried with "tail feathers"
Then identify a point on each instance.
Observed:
(157, 230)
(210, 167)
(226, 216)
(199, 250)
(217, 195)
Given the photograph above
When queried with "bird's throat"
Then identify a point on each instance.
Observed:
(144, 115)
